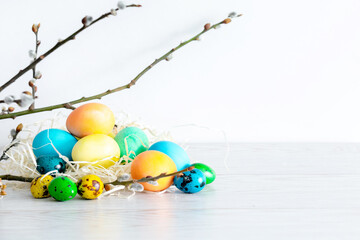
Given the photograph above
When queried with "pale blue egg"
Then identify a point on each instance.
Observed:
(174, 151)
(45, 141)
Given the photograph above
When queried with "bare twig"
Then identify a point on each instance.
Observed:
(57, 45)
(166, 56)
(147, 179)
(15, 178)
(150, 179)
(13, 143)
(35, 29)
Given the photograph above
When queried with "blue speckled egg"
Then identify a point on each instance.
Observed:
(174, 151)
(60, 139)
(46, 164)
(190, 181)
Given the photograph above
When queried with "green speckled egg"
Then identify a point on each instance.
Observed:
(208, 172)
(62, 189)
(132, 141)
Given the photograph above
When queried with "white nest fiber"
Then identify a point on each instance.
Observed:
(22, 161)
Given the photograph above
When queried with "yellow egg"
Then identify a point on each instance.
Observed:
(111, 134)
(39, 186)
(96, 150)
(90, 186)
(90, 118)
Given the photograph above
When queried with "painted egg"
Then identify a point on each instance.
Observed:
(62, 189)
(153, 163)
(96, 150)
(132, 141)
(174, 151)
(90, 118)
(111, 134)
(46, 164)
(190, 181)
(90, 186)
(39, 186)
(49, 141)
(207, 171)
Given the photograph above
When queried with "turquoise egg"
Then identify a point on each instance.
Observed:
(47, 164)
(45, 141)
(190, 181)
(132, 141)
(174, 151)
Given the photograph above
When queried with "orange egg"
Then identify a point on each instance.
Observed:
(90, 118)
(153, 163)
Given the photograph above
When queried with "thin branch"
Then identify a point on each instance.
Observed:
(3, 155)
(57, 45)
(13, 142)
(150, 179)
(166, 56)
(147, 179)
(17, 101)
(15, 178)
(32, 85)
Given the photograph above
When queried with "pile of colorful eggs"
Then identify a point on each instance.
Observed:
(90, 140)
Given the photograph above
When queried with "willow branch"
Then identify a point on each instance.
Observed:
(150, 179)
(57, 45)
(3, 155)
(147, 179)
(33, 87)
(15, 178)
(13, 142)
(166, 56)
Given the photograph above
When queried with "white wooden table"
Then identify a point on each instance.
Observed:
(271, 191)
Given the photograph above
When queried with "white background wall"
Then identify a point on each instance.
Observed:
(285, 71)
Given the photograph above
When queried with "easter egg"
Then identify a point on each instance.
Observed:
(49, 141)
(132, 141)
(96, 150)
(90, 118)
(62, 189)
(174, 151)
(207, 171)
(46, 164)
(153, 163)
(90, 186)
(190, 181)
(39, 186)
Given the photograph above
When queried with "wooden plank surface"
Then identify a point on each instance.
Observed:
(269, 191)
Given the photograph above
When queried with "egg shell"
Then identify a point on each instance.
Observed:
(90, 118)
(207, 171)
(190, 181)
(45, 141)
(39, 186)
(153, 163)
(111, 134)
(174, 151)
(46, 164)
(96, 150)
(62, 189)
(90, 186)
(132, 141)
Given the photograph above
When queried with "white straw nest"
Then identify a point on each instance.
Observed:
(22, 161)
